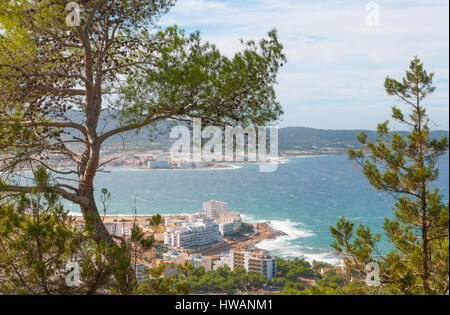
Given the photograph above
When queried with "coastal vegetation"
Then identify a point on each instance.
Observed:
(404, 168)
(119, 66)
(238, 281)
(38, 238)
(44, 251)
(117, 62)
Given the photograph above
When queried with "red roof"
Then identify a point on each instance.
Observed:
(306, 281)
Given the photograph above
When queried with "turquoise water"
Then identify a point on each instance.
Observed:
(302, 198)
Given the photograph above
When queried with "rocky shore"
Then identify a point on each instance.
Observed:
(261, 231)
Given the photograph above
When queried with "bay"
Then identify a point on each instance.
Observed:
(302, 198)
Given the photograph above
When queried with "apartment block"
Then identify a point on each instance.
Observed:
(192, 235)
(226, 229)
(254, 260)
(213, 209)
(195, 260)
(217, 211)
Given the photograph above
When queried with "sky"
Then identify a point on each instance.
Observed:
(338, 55)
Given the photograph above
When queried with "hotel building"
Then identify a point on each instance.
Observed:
(227, 228)
(213, 209)
(254, 260)
(227, 220)
(118, 229)
(192, 235)
(194, 260)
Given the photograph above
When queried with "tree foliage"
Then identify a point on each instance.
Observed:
(120, 65)
(405, 168)
(38, 239)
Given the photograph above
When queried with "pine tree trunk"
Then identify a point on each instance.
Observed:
(425, 263)
(94, 222)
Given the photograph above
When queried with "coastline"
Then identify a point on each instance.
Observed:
(231, 165)
(261, 231)
(135, 167)
(218, 166)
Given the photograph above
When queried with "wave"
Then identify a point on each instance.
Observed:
(247, 218)
(294, 230)
(287, 246)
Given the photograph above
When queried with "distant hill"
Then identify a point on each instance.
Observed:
(290, 138)
(298, 138)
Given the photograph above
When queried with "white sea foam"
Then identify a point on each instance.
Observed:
(324, 257)
(272, 161)
(285, 245)
(247, 218)
(294, 230)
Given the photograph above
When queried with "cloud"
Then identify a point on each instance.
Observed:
(202, 5)
(337, 64)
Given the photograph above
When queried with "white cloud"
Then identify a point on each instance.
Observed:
(336, 62)
(202, 5)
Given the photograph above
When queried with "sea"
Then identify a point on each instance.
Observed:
(302, 198)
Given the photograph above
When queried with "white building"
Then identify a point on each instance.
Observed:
(222, 262)
(254, 260)
(217, 211)
(192, 235)
(213, 209)
(174, 257)
(158, 165)
(227, 228)
(188, 164)
(118, 229)
(115, 229)
(195, 260)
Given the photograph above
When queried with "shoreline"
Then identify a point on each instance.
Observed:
(135, 167)
(232, 165)
(261, 231)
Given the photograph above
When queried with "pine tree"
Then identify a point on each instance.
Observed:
(59, 81)
(38, 238)
(405, 168)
